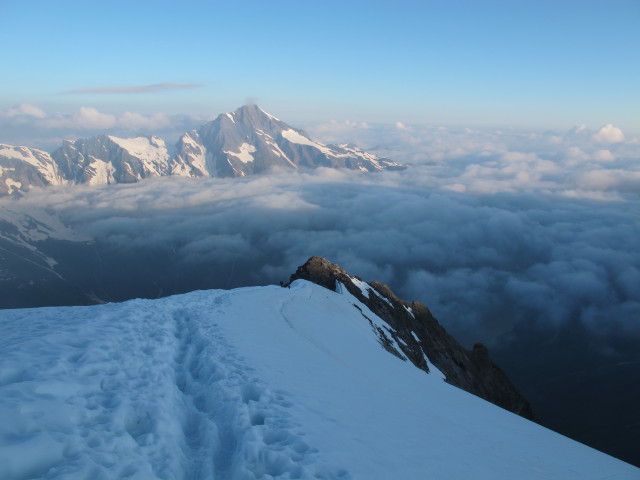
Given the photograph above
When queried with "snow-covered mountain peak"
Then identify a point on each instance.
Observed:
(251, 110)
(412, 333)
(20, 152)
(246, 141)
(250, 118)
(151, 150)
(23, 167)
(251, 383)
(143, 142)
(110, 159)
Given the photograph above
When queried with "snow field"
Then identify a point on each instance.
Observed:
(253, 383)
(244, 155)
(133, 391)
(151, 151)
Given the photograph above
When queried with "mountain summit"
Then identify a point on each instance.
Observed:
(250, 141)
(247, 141)
(255, 383)
(412, 334)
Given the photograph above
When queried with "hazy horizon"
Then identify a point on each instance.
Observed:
(149, 65)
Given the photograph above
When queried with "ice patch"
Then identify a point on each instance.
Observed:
(382, 297)
(275, 148)
(363, 286)
(12, 185)
(244, 155)
(295, 137)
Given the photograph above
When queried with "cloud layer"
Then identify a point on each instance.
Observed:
(491, 229)
(579, 163)
(484, 263)
(28, 125)
(24, 110)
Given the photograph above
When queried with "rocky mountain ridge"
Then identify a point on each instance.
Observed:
(247, 141)
(416, 336)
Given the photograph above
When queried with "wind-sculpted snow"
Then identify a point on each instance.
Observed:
(254, 383)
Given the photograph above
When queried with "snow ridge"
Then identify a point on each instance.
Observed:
(123, 410)
(231, 421)
(253, 383)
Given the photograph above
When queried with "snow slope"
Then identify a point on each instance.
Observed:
(262, 382)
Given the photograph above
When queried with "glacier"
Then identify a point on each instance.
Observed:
(252, 383)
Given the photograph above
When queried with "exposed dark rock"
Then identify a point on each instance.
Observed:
(418, 334)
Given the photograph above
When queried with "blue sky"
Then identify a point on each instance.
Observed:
(542, 64)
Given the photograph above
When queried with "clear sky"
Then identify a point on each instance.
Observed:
(543, 64)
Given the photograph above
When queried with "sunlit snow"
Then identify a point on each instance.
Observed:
(12, 185)
(152, 151)
(102, 172)
(244, 155)
(269, 115)
(363, 286)
(295, 137)
(41, 160)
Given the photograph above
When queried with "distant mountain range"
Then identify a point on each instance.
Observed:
(246, 142)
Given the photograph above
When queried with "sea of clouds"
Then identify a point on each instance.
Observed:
(490, 229)
(526, 241)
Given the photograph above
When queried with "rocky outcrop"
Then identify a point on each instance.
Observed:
(415, 335)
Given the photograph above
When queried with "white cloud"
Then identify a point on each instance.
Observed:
(137, 121)
(609, 134)
(84, 119)
(25, 109)
(91, 119)
(469, 257)
(31, 126)
(604, 156)
(485, 161)
(576, 155)
(599, 179)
